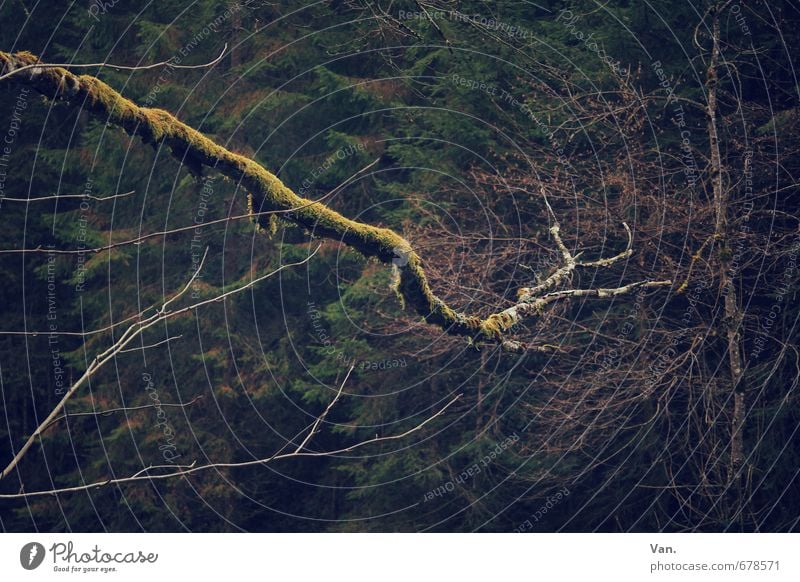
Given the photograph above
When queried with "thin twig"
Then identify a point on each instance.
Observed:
(166, 63)
(140, 239)
(151, 346)
(132, 332)
(120, 409)
(190, 469)
(67, 196)
(322, 416)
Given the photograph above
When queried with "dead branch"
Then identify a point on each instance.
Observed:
(135, 330)
(68, 197)
(185, 470)
(167, 63)
(156, 126)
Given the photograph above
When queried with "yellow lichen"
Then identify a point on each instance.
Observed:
(497, 324)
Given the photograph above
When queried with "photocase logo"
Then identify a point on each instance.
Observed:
(31, 555)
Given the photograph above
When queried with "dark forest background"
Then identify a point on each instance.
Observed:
(627, 423)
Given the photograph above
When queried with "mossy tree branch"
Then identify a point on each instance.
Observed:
(156, 126)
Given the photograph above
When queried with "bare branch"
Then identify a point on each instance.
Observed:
(151, 346)
(38, 66)
(193, 227)
(67, 197)
(132, 332)
(157, 126)
(322, 416)
(184, 470)
(120, 409)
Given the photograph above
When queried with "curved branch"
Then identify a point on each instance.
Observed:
(156, 126)
(163, 233)
(184, 470)
(135, 330)
(126, 409)
(167, 63)
(67, 197)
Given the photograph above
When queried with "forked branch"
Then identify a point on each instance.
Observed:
(156, 126)
(151, 473)
(142, 324)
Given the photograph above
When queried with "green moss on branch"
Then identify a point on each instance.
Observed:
(157, 126)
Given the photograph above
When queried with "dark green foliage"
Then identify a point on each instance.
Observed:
(462, 130)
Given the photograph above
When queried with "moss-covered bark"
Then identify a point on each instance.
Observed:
(157, 126)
